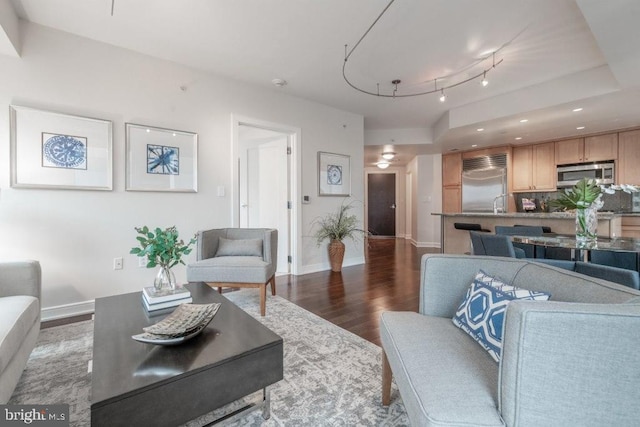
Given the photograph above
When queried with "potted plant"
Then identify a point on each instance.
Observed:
(162, 248)
(586, 198)
(336, 227)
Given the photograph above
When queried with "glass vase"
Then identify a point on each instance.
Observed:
(586, 224)
(165, 279)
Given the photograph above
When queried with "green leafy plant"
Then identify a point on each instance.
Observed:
(338, 225)
(586, 193)
(161, 247)
(581, 196)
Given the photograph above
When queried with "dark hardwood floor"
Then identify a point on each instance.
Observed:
(354, 298)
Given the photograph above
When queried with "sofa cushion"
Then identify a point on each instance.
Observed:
(239, 247)
(446, 378)
(481, 313)
(234, 269)
(17, 316)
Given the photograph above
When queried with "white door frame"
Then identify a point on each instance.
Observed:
(294, 180)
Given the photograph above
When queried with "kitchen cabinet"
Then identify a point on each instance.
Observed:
(590, 149)
(534, 168)
(452, 169)
(627, 167)
(452, 199)
(631, 226)
(452, 183)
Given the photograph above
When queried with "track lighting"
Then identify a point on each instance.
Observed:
(443, 97)
(485, 82)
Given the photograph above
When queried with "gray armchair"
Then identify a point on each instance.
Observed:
(20, 287)
(237, 258)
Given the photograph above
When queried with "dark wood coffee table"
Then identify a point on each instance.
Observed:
(143, 384)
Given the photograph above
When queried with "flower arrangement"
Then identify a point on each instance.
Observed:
(586, 198)
(587, 193)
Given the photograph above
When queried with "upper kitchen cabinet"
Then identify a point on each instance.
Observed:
(590, 149)
(601, 147)
(452, 169)
(534, 167)
(628, 171)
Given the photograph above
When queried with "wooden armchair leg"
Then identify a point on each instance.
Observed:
(263, 299)
(386, 380)
(273, 284)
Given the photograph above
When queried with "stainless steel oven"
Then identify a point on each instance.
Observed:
(602, 173)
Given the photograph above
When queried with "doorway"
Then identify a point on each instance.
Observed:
(381, 197)
(264, 170)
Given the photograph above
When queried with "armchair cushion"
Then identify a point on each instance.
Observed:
(481, 313)
(239, 247)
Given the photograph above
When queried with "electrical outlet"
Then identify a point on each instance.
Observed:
(142, 261)
(117, 263)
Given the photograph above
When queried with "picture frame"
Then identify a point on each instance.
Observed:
(159, 159)
(334, 174)
(60, 151)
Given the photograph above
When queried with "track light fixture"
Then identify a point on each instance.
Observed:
(394, 92)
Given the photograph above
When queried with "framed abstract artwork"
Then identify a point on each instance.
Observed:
(334, 174)
(161, 159)
(61, 151)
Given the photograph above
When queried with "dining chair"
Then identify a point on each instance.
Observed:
(496, 245)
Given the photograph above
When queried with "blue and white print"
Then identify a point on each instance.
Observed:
(163, 160)
(334, 175)
(481, 313)
(64, 151)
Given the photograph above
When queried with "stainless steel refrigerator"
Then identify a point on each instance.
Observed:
(482, 187)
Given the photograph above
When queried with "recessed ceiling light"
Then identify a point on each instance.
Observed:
(580, 127)
(474, 145)
(480, 129)
(518, 138)
(524, 120)
(575, 110)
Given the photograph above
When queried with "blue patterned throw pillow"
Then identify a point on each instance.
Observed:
(481, 313)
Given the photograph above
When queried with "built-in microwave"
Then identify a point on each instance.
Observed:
(602, 173)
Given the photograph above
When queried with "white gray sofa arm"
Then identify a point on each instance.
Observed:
(569, 362)
(20, 278)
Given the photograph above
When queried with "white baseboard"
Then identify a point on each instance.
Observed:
(425, 244)
(67, 310)
(314, 268)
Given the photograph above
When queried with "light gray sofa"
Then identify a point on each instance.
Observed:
(569, 361)
(20, 287)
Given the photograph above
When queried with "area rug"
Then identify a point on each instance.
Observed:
(331, 376)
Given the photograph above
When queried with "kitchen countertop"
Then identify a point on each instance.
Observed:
(541, 215)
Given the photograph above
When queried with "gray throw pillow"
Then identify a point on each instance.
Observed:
(239, 247)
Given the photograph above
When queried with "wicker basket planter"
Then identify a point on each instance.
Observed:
(336, 255)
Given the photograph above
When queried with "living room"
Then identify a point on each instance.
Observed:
(76, 235)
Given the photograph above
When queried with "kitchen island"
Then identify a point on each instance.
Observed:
(454, 241)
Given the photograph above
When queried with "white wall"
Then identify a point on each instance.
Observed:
(426, 173)
(76, 234)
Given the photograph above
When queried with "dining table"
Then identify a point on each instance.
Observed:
(580, 250)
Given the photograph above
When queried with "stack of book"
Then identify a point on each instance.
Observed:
(153, 299)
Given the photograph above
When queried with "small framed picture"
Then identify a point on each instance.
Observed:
(334, 174)
(161, 159)
(61, 151)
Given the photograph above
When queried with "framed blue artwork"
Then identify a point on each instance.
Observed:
(160, 159)
(62, 151)
(334, 174)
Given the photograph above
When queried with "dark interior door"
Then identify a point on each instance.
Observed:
(382, 204)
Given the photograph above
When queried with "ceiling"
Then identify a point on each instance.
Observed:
(557, 55)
